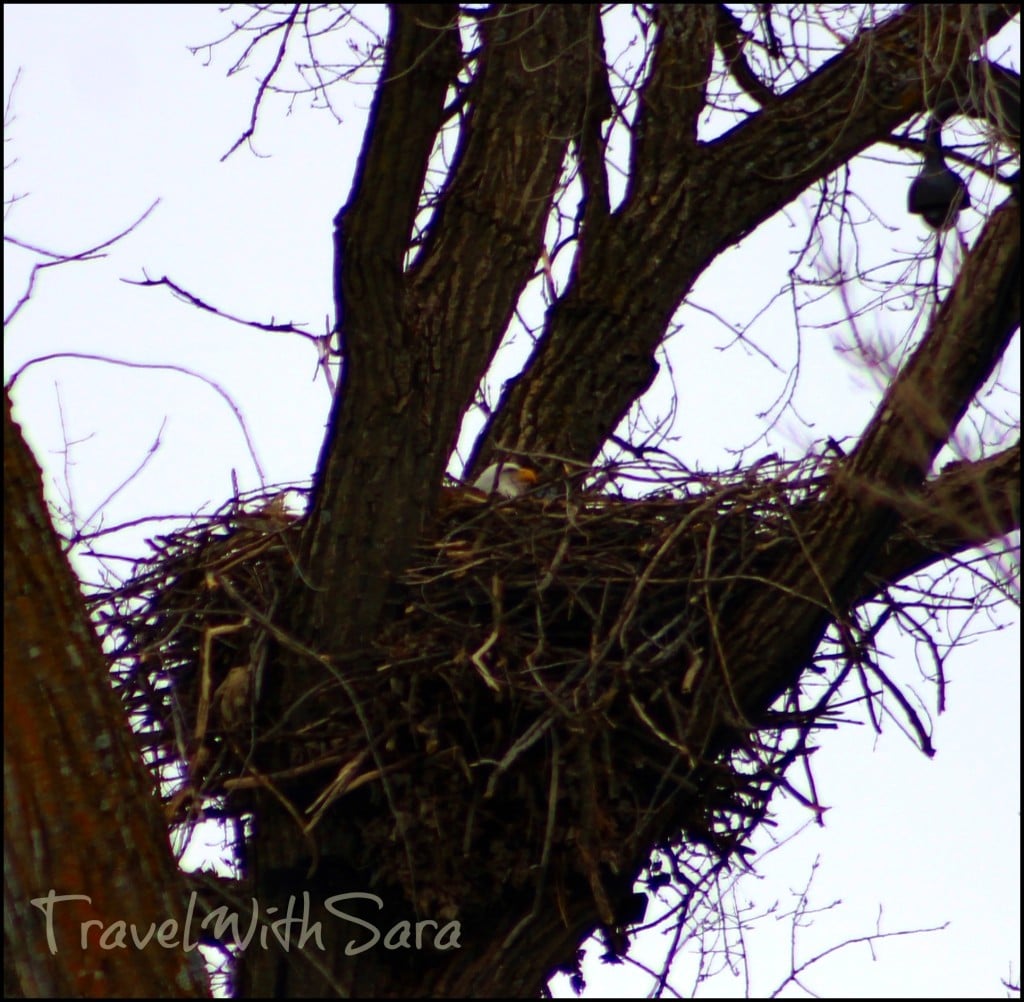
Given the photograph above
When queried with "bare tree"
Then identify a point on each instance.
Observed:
(495, 717)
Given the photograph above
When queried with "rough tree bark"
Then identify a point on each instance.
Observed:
(80, 812)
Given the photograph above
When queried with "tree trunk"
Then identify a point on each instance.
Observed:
(85, 840)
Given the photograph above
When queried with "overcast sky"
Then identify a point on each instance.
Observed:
(112, 112)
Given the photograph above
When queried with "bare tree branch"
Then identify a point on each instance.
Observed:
(59, 258)
(595, 356)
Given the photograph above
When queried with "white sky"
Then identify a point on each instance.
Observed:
(112, 112)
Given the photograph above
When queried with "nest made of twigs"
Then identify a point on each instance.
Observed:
(528, 709)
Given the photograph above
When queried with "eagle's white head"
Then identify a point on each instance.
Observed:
(508, 480)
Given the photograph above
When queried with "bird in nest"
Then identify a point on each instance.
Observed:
(500, 481)
(506, 480)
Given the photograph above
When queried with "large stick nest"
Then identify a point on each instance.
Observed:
(538, 711)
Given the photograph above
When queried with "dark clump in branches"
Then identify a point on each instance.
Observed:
(550, 695)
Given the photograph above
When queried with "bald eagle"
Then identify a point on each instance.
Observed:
(507, 480)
